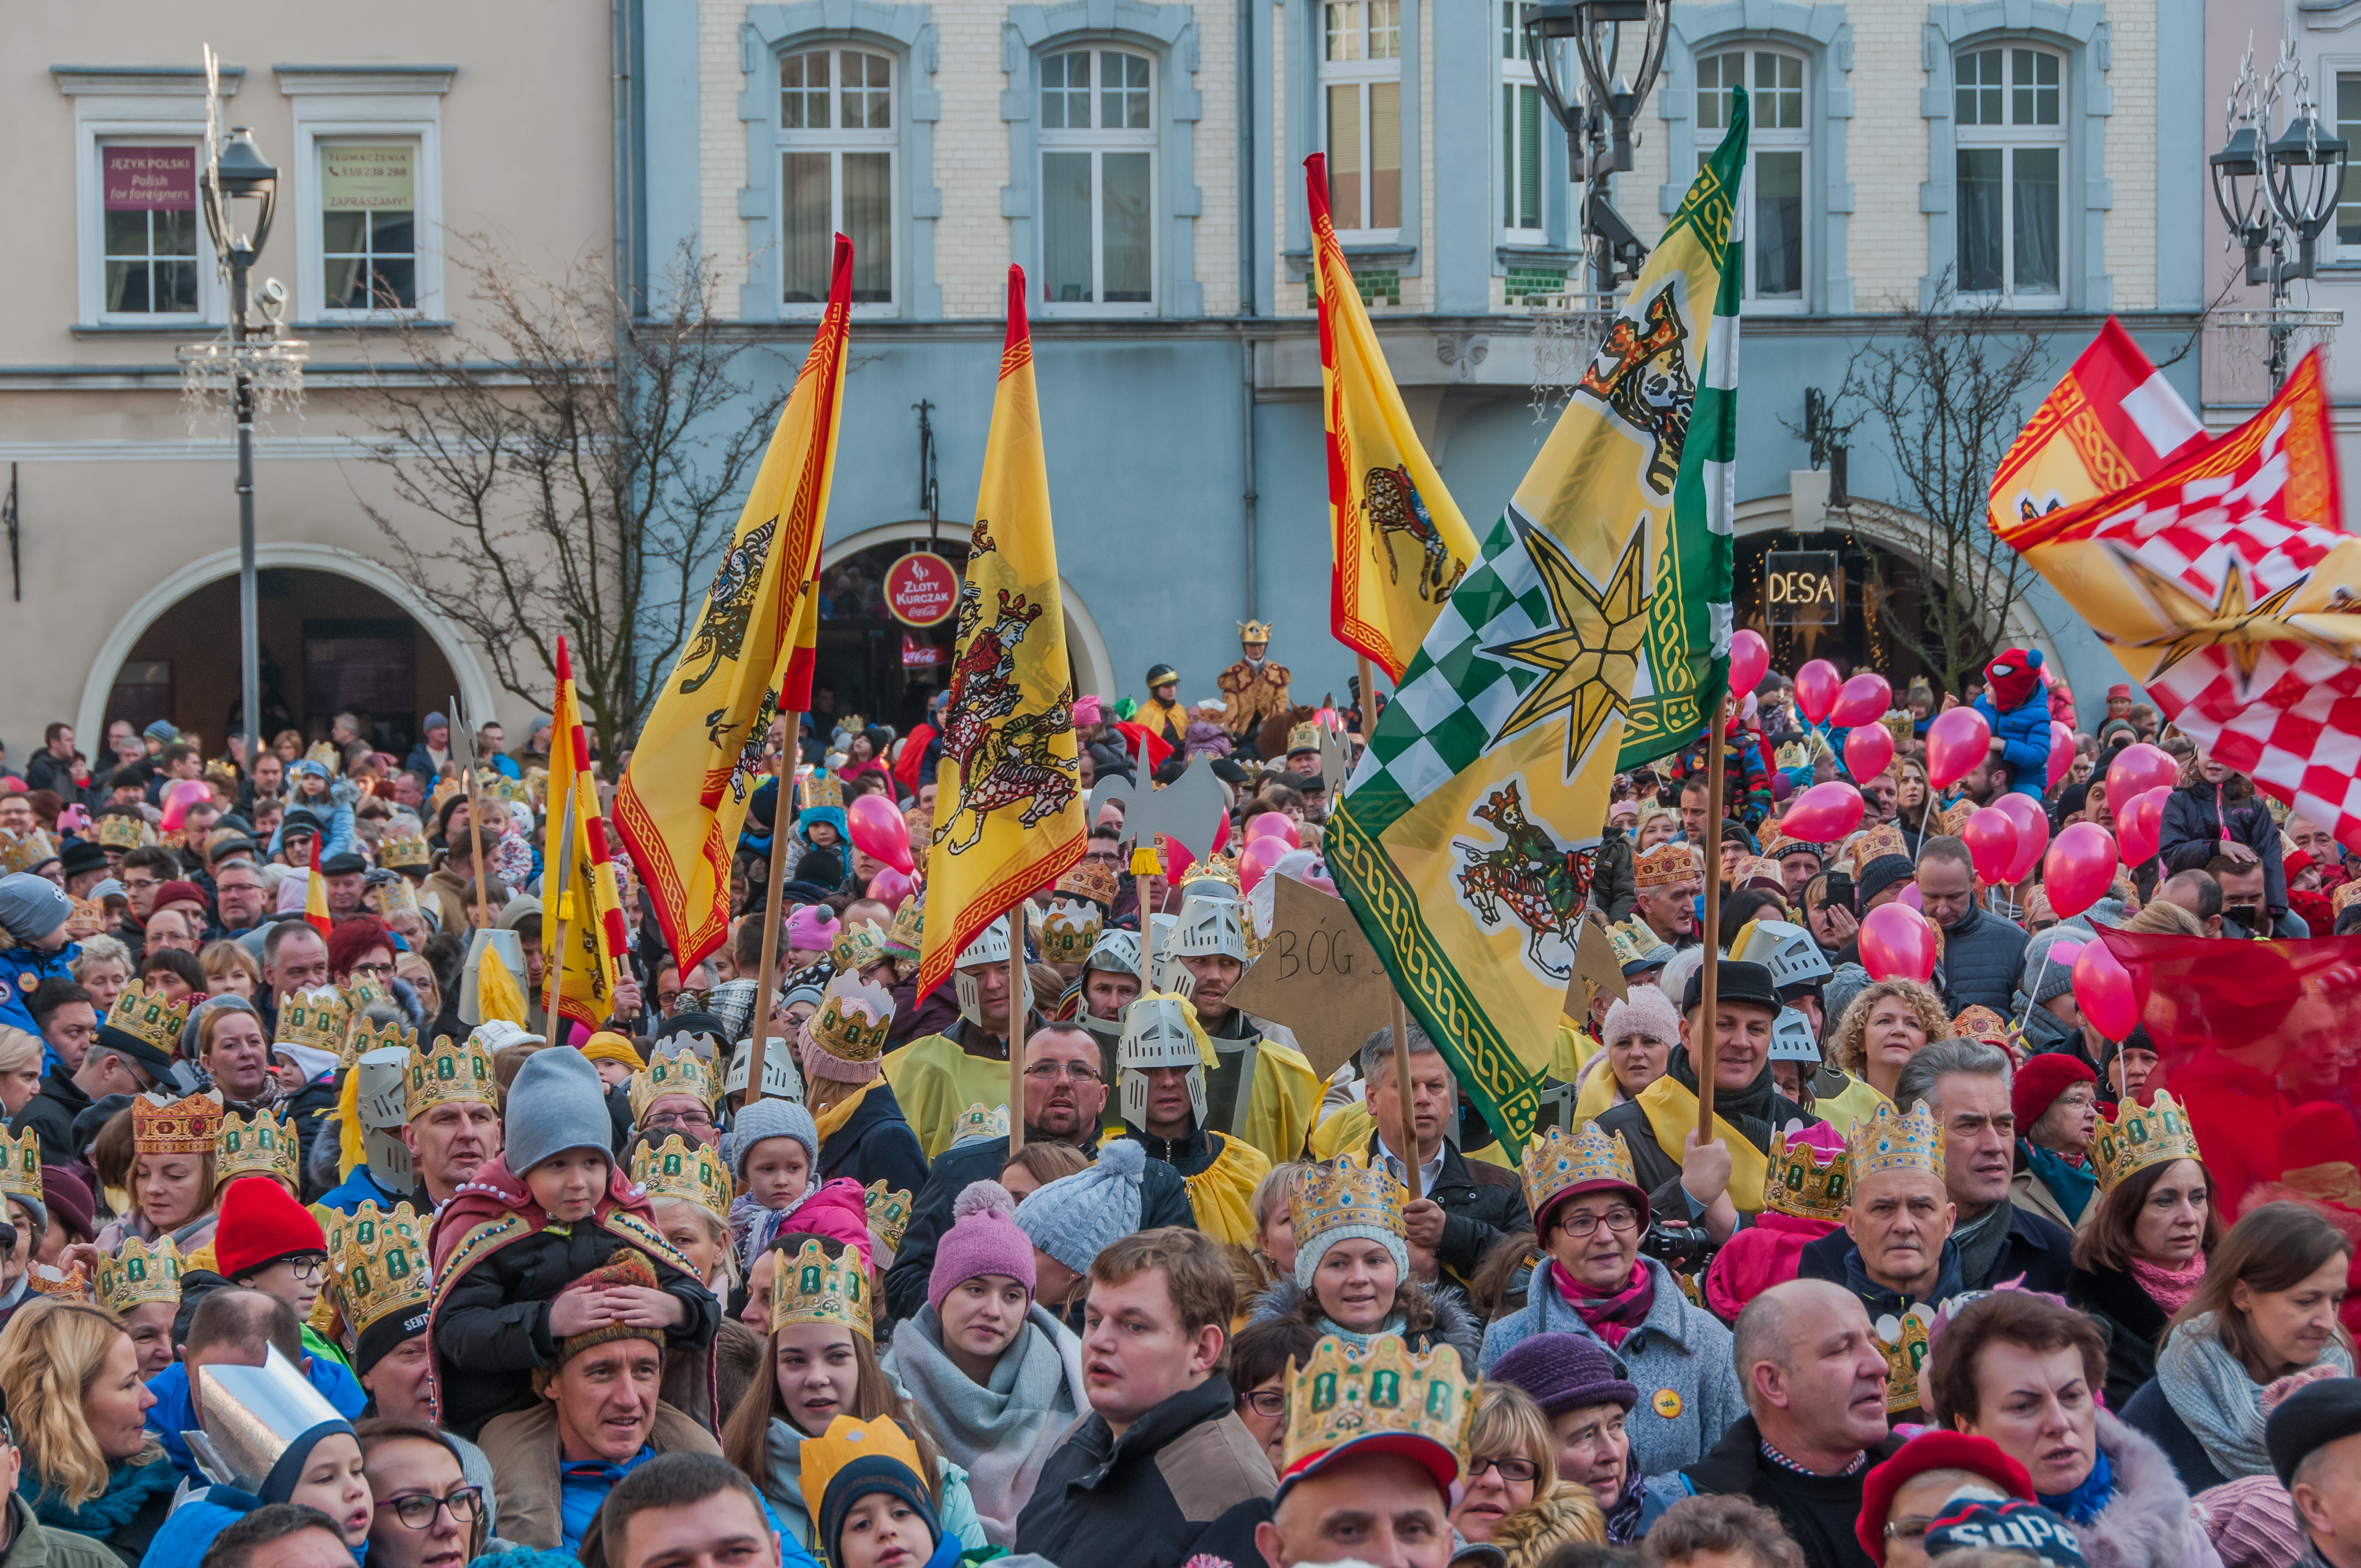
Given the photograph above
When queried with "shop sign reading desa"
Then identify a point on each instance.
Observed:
(1801, 588)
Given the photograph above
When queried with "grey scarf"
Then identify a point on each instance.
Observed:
(1002, 1433)
(2210, 1390)
(1980, 1241)
(784, 1485)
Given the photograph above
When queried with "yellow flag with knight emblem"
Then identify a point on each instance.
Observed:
(1465, 841)
(1008, 818)
(1398, 543)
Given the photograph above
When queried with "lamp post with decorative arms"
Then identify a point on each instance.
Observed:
(2278, 194)
(1597, 111)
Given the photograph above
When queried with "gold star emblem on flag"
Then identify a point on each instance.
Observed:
(1592, 650)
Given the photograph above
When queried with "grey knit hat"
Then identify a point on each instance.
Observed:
(1077, 1217)
(556, 1103)
(32, 906)
(2041, 979)
(769, 1119)
(1846, 983)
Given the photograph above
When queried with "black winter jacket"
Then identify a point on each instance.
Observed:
(50, 1113)
(2133, 1323)
(2191, 835)
(2039, 1249)
(1481, 1203)
(875, 1143)
(1982, 958)
(1819, 1510)
(1186, 1478)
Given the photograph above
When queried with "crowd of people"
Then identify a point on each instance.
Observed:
(310, 1259)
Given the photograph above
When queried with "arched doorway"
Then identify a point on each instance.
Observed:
(336, 631)
(868, 662)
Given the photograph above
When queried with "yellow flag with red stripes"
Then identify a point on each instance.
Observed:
(584, 915)
(1009, 817)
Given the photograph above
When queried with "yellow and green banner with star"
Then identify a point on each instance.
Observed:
(1464, 843)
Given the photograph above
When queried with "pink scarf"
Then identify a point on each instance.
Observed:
(2169, 1288)
(1610, 1314)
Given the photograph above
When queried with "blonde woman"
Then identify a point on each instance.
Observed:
(1274, 1249)
(414, 970)
(20, 1068)
(1511, 1460)
(1658, 824)
(71, 1376)
(230, 971)
(1885, 1026)
(104, 968)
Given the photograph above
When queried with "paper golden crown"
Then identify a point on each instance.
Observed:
(400, 851)
(1070, 931)
(397, 897)
(2345, 893)
(1343, 1395)
(889, 1213)
(686, 1074)
(141, 1275)
(22, 853)
(494, 786)
(1633, 943)
(1955, 818)
(47, 1280)
(2139, 1136)
(853, 1020)
(174, 1126)
(823, 791)
(367, 1035)
(442, 792)
(122, 830)
(1897, 1140)
(147, 1015)
(317, 1019)
(1905, 1340)
(1980, 1023)
(857, 946)
(1346, 1193)
(1253, 630)
(813, 1288)
(20, 1177)
(1883, 840)
(1806, 1182)
(684, 1170)
(847, 1439)
(909, 931)
(1780, 845)
(263, 1146)
(1090, 879)
(451, 1073)
(1211, 869)
(1554, 1163)
(1666, 865)
(1795, 754)
(88, 918)
(378, 1265)
(981, 1121)
(325, 752)
(1761, 871)
(1302, 737)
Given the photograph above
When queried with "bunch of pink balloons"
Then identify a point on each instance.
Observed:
(2032, 834)
(2140, 823)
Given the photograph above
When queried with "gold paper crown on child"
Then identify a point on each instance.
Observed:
(491, 784)
(1070, 931)
(857, 946)
(20, 1176)
(853, 1019)
(1666, 865)
(980, 1121)
(908, 929)
(691, 1171)
(1806, 1181)
(149, 1016)
(266, 1145)
(325, 753)
(141, 1275)
(1346, 1193)
(1883, 840)
(813, 1288)
(1343, 1395)
(399, 852)
(847, 1439)
(1795, 754)
(23, 853)
(46, 1280)
(451, 1073)
(1556, 1163)
(316, 1018)
(122, 830)
(686, 1074)
(174, 1126)
(1090, 879)
(2139, 1136)
(1897, 1140)
(366, 1035)
(378, 1265)
(889, 1213)
(822, 790)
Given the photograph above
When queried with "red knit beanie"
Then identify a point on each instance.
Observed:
(2039, 1083)
(260, 1226)
(1936, 1450)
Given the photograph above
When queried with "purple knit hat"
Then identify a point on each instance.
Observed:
(983, 1239)
(1565, 1372)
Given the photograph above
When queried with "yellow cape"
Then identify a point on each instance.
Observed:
(1598, 1097)
(831, 1120)
(1286, 1098)
(1573, 1052)
(1848, 1110)
(935, 1081)
(1350, 1127)
(1222, 1194)
(1672, 1115)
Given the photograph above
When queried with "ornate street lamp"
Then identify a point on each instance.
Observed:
(1598, 111)
(2279, 194)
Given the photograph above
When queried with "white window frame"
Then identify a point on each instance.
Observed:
(2010, 138)
(1516, 78)
(1099, 140)
(328, 109)
(2334, 69)
(134, 110)
(1364, 73)
(1758, 140)
(836, 141)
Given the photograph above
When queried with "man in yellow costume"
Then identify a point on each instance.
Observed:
(1162, 1061)
(1254, 688)
(936, 1077)
(1162, 714)
(1260, 1089)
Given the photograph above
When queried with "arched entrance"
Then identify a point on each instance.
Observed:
(337, 631)
(868, 662)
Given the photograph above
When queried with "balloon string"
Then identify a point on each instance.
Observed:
(2038, 974)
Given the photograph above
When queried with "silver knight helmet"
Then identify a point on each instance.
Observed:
(989, 948)
(1156, 1034)
(1207, 929)
(384, 1111)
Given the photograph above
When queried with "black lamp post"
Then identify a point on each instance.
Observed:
(1598, 111)
(2278, 194)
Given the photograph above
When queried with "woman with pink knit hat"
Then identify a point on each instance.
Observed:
(998, 1379)
(862, 1132)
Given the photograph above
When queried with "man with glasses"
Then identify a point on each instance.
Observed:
(241, 899)
(1065, 1096)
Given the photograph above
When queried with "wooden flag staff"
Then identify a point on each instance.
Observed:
(1711, 936)
(758, 1031)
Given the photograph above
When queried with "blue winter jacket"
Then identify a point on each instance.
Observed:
(23, 967)
(174, 1412)
(2024, 735)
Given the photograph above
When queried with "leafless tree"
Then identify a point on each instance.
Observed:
(1945, 390)
(569, 465)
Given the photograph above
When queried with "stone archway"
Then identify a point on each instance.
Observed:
(450, 649)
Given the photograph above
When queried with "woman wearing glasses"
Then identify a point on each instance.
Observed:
(426, 1512)
(1513, 1495)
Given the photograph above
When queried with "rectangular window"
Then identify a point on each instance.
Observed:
(1098, 181)
(1778, 165)
(1360, 75)
(2009, 173)
(149, 195)
(1521, 121)
(836, 172)
(2348, 126)
(368, 225)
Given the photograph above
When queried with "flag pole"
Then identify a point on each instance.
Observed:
(474, 825)
(1016, 1030)
(552, 982)
(1711, 934)
(758, 1035)
(1407, 1131)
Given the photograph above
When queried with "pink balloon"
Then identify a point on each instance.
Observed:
(1956, 742)
(178, 797)
(1750, 661)
(2061, 754)
(1863, 700)
(880, 832)
(1274, 825)
(891, 886)
(2139, 825)
(2139, 769)
(1257, 858)
(1824, 813)
(1991, 837)
(1896, 941)
(2079, 869)
(1868, 750)
(2104, 992)
(1816, 688)
(1911, 896)
(2061, 954)
(2032, 833)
